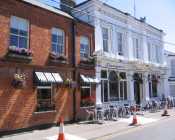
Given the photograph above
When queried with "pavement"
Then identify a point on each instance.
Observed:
(92, 131)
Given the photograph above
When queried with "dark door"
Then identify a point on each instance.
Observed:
(137, 92)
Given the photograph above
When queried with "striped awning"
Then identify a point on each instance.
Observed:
(88, 79)
(47, 77)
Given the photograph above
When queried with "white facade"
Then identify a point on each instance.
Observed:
(170, 56)
(128, 47)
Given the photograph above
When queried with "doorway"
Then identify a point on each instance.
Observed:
(137, 87)
(137, 92)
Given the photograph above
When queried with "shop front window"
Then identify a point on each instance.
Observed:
(153, 86)
(113, 86)
(86, 98)
(104, 86)
(45, 99)
(123, 86)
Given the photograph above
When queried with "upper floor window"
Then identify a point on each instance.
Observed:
(57, 41)
(137, 50)
(158, 54)
(84, 46)
(19, 33)
(149, 51)
(105, 33)
(173, 68)
(120, 43)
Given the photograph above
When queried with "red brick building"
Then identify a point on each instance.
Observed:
(46, 69)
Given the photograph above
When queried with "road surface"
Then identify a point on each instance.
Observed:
(162, 130)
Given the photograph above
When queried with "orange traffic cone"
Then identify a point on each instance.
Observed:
(61, 130)
(165, 112)
(134, 120)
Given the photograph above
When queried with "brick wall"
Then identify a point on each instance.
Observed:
(17, 106)
(40, 24)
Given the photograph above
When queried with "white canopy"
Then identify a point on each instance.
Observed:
(88, 79)
(48, 77)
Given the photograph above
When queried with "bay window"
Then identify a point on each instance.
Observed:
(58, 37)
(114, 86)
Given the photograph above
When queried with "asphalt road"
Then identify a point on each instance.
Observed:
(163, 130)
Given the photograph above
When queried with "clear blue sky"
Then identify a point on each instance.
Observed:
(159, 13)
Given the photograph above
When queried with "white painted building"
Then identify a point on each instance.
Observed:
(170, 56)
(130, 60)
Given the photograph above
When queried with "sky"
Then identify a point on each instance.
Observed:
(159, 13)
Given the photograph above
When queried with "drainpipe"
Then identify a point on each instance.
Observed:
(74, 66)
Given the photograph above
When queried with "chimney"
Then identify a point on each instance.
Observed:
(66, 5)
(143, 19)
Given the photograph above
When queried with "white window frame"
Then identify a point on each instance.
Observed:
(170, 85)
(120, 52)
(119, 81)
(105, 79)
(58, 44)
(172, 66)
(20, 20)
(83, 52)
(137, 48)
(108, 39)
(149, 51)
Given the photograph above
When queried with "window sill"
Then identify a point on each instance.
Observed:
(18, 57)
(43, 112)
(87, 61)
(58, 61)
(58, 58)
(86, 107)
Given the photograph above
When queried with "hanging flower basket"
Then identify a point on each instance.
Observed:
(18, 80)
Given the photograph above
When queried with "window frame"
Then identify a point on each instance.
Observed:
(89, 47)
(137, 49)
(18, 35)
(120, 43)
(51, 99)
(172, 65)
(57, 44)
(107, 81)
(149, 46)
(89, 86)
(107, 40)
